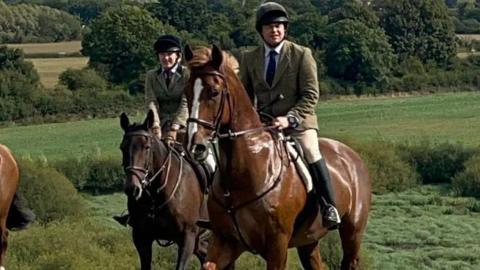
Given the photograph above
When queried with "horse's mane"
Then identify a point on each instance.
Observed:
(203, 55)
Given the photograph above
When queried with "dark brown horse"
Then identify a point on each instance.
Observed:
(165, 199)
(259, 204)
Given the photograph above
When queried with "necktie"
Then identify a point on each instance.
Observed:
(272, 65)
(168, 77)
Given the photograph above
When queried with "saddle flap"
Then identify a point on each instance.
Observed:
(300, 164)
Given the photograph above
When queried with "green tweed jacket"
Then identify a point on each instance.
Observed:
(295, 79)
(170, 101)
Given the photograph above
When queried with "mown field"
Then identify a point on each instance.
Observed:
(53, 47)
(51, 59)
(50, 68)
(422, 228)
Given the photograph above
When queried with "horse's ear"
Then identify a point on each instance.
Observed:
(124, 122)
(188, 53)
(149, 120)
(217, 57)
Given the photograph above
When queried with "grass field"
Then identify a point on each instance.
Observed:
(54, 47)
(449, 117)
(50, 68)
(442, 117)
(422, 228)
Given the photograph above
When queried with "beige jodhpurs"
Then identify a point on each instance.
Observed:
(308, 139)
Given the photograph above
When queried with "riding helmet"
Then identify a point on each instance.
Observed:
(270, 12)
(167, 43)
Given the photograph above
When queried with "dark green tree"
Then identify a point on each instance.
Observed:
(355, 10)
(120, 42)
(357, 53)
(421, 28)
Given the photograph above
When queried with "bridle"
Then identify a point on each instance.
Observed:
(215, 126)
(143, 173)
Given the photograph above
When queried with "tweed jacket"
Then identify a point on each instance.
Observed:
(295, 78)
(170, 102)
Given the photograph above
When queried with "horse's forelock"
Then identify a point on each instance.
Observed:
(135, 127)
(202, 56)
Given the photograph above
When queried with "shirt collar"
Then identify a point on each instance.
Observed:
(278, 48)
(173, 70)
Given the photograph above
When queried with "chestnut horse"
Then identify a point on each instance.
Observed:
(9, 176)
(165, 199)
(259, 203)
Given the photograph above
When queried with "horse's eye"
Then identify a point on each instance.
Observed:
(214, 93)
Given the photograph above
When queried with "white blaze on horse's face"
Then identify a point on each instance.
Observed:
(192, 126)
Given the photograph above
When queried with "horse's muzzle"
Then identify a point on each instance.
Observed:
(133, 189)
(199, 152)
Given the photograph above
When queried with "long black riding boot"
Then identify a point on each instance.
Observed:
(323, 189)
(19, 217)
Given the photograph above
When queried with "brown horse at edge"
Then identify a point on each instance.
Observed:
(259, 203)
(9, 177)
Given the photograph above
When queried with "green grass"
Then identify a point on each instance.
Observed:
(60, 140)
(424, 229)
(450, 117)
(443, 117)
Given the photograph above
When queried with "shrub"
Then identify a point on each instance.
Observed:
(87, 78)
(72, 244)
(467, 183)
(436, 163)
(389, 172)
(48, 192)
(94, 173)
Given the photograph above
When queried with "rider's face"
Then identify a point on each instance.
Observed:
(273, 33)
(168, 59)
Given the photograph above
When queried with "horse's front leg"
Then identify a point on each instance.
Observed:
(3, 244)
(221, 254)
(277, 252)
(186, 247)
(143, 243)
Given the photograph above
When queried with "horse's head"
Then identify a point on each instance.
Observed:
(137, 156)
(208, 98)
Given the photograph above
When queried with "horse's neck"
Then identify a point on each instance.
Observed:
(244, 115)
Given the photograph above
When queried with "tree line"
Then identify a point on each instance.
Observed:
(361, 47)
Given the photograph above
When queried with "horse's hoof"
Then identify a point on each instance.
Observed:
(209, 266)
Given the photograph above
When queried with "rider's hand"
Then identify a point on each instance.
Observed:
(280, 122)
(171, 137)
(156, 131)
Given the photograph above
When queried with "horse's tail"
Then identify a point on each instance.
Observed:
(19, 217)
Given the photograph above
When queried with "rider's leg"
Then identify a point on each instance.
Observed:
(320, 175)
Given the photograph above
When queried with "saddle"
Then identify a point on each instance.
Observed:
(295, 151)
(204, 176)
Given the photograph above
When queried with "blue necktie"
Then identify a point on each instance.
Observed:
(271, 67)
